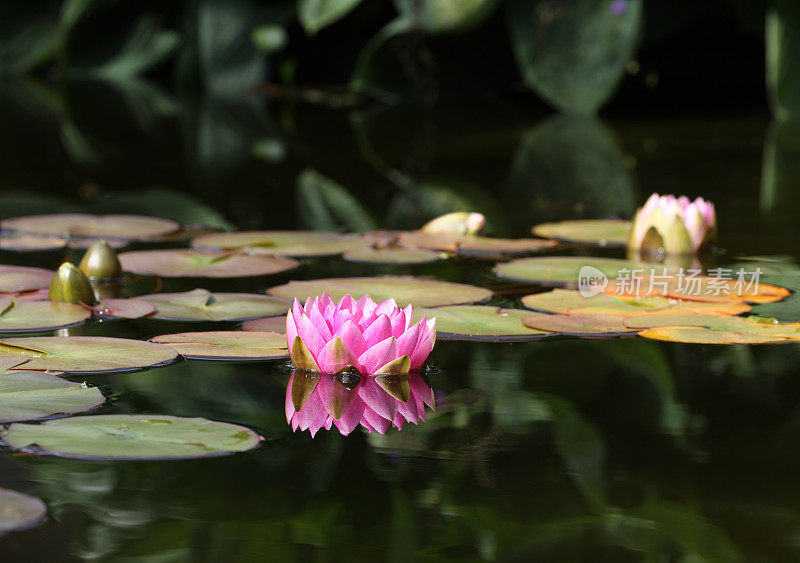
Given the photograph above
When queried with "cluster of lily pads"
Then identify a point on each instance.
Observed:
(38, 300)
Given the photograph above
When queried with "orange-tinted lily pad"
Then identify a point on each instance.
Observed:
(579, 324)
(563, 270)
(32, 243)
(19, 511)
(601, 232)
(716, 329)
(404, 289)
(134, 227)
(479, 322)
(227, 345)
(473, 245)
(85, 354)
(202, 305)
(392, 255)
(185, 263)
(29, 316)
(16, 279)
(268, 324)
(697, 288)
(281, 243)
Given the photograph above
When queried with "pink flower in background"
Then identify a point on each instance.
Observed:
(327, 337)
(675, 225)
(315, 401)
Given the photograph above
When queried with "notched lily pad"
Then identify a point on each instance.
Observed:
(186, 263)
(130, 437)
(85, 354)
(404, 289)
(714, 329)
(479, 322)
(473, 245)
(131, 308)
(281, 243)
(563, 270)
(600, 232)
(19, 511)
(33, 395)
(227, 345)
(133, 227)
(202, 305)
(31, 316)
(579, 324)
(269, 324)
(18, 279)
(392, 255)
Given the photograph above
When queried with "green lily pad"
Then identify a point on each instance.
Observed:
(202, 305)
(227, 345)
(730, 330)
(185, 263)
(32, 243)
(570, 301)
(27, 316)
(392, 255)
(16, 279)
(706, 335)
(19, 511)
(600, 232)
(578, 325)
(268, 324)
(131, 436)
(404, 289)
(283, 243)
(131, 308)
(33, 395)
(85, 354)
(480, 322)
(134, 227)
(563, 270)
(473, 245)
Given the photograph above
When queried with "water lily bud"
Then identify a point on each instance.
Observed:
(70, 285)
(673, 225)
(457, 223)
(100, 262)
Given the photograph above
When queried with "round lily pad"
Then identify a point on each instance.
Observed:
(202, 305)
(698, 288)
(600, 232)
(737, 329)
(32, 243)
(578, 325)
(85, 354)
(28, 316)
(35, 295)
(16, 279)
(473, 245)
(33, 395)
(19, 511)
(227, 345)
(130, 436)
(404, 289)
(564, 270)
(268, 324)
(134, 227)
(479, 322)
(131, 308)
(392, 255)
(570, 301)
(185, 263)
(706, 335)
(284, 243)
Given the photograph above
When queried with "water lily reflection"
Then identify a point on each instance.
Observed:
(347, 400)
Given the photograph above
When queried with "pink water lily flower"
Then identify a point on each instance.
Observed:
(328, 337)
(315, 401)
(674, 225)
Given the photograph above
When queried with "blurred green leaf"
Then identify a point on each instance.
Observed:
(389, 81)
(783, 57)
(317, 14)
(325, 205)
(446, 16)
(573, 52)
(28, 37)
(269, 38)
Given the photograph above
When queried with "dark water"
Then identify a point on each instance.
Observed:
(559, 450)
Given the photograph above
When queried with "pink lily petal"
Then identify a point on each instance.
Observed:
(379, 330)
(378, 355)
(352, 337)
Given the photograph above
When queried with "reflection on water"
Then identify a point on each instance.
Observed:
(562, 449)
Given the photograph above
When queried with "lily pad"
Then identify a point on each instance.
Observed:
(570, 301)
(33, 395)
(392, 255)
(202, 305)
(600, 232)
(134, 227)
(182, 263)
(227, 345)
(697, 288)
(404, 289)
(85, 354)
(130, 436)
(19, 511)
(16, 279)
(269, 324)
(563, 270)
(713, 329)
(132, 308)
(480, 322)
(283, 243)
(27, 316)
(468, 245)
(32, 243)
(578, 325)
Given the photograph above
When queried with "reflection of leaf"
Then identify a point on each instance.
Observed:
(403, 542)
(783, 63)
(422, 202)
(381, 79)
(571, 166)
(573, 52)
(317, 14)
(780, 169)
(446, 16)
(28, 37)
(325, 205)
